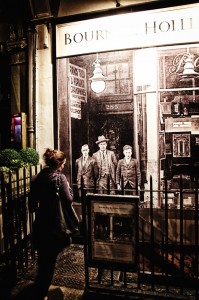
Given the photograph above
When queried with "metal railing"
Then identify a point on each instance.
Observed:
(168, 258)
(15, 230)
(168, 262)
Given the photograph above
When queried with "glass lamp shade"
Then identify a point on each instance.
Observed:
(98, 86)
(98, 79)
(189, 67)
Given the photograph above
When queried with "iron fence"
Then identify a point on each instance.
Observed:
(16, 221)
(168, 247)
(168, 237)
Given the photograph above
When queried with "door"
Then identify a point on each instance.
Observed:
(118, 128)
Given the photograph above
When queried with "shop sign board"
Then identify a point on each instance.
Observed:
(189, 124)
(113, 231)
(75, 109)
(114, 107)
(78, 84)
(168, 26)
(78, 89)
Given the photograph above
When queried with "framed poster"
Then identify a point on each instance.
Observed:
(165, 108)
(181, 145)
(113, 231)
(162, 149)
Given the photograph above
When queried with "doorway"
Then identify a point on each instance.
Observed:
(118, 128)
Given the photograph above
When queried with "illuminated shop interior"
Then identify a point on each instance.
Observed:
(150, 100)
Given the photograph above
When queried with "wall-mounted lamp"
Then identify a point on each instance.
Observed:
(98, 79)
(184, 65)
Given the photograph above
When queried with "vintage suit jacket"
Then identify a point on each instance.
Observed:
(128, 172)
(112, 163)
(89, 172)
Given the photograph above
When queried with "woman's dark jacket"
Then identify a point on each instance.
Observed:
(43, 200)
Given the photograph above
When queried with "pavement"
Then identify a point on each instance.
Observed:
(69, 283)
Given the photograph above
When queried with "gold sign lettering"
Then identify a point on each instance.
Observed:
(86, 36)
(165, 26)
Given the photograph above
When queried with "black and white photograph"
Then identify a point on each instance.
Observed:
(114, 231)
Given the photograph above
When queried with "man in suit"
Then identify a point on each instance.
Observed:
(107, 163)
(86, 170)
(128, 169)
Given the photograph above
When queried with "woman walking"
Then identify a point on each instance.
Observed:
(43, 201)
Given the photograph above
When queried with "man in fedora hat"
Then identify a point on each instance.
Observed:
(107, 163)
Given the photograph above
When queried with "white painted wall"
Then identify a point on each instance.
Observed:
(145, 77)
(44, 99)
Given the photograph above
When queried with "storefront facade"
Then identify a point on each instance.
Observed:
(150, 68)
(148, 56)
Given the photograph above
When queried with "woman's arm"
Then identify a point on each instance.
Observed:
(65, 189)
